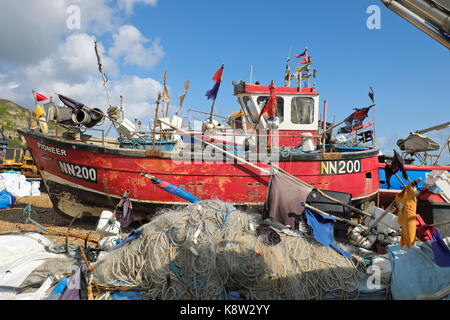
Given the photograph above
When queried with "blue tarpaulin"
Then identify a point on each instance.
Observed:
(415, 272)
(322, 226)
(7, 200)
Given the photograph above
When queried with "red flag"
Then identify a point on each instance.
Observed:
(423, 231)
(271, 104)
(302, 54)
(39, 97)
(218, 75)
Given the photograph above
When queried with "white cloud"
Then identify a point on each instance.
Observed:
(129, 44)
(40, 53)
(128, 5)
(139, 95)
(33, 29)
(78, 52)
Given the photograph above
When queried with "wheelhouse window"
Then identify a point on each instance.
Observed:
(302, 110)
(250, 108)
(236, 123)
(262, 100)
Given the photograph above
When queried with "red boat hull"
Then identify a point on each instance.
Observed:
(86, 179)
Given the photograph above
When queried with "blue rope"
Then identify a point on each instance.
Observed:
(197, 282)
(226, 218)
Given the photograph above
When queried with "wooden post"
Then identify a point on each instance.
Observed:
(167, 109)
(156, 118)
(30, 119)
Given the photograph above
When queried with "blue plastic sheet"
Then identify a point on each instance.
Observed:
(58, 289)
(415, 272)
(127, 295)
(322, 226)
(7, 200)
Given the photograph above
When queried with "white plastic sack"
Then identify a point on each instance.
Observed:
(439, 179)
(18, 186)
(20, 254)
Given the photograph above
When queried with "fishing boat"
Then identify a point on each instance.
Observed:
(87, 173)
(418, 161)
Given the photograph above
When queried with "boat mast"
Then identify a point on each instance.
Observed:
(100, 68)
(288, 75)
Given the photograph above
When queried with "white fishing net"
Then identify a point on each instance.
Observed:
(204, 250)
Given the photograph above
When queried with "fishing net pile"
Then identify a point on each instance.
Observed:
(206, 249)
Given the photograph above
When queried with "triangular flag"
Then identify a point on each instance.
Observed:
(182, 99)
(166, 96)
(164, 76)
(39, 111)
(218, 75)
(39, 97)
(302, 54)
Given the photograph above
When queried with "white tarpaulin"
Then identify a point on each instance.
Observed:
(20, 254)
(18, 186)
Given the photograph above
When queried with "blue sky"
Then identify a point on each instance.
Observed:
(408, 70)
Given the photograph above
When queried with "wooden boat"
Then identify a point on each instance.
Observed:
(86, 174)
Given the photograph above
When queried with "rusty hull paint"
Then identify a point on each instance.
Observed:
(235, 183)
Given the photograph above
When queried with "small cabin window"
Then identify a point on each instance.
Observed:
(237, 124)
(302, 110)
(262, 100)
(250, 107)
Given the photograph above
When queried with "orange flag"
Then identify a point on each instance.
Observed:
(407, 205)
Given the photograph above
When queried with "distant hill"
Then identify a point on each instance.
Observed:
(13, 117)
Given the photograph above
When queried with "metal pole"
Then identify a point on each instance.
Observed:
(100, 68)
(121, 106)
(324, 125)
(417, 21)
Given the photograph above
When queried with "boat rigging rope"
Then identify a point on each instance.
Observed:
(207, 248)
(114, 113)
